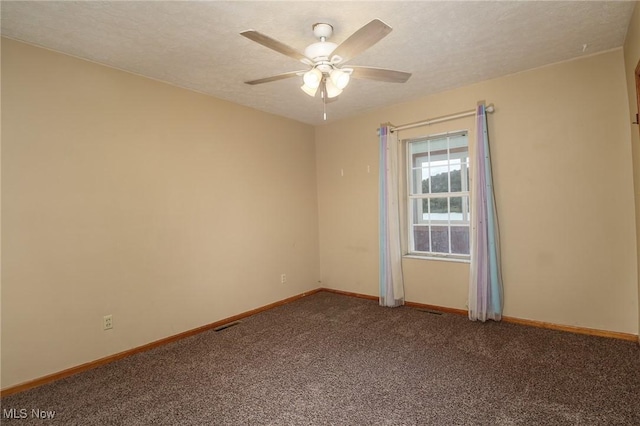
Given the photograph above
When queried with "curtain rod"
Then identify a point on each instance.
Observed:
(438, 119)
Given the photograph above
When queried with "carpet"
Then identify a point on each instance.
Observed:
(329, 359)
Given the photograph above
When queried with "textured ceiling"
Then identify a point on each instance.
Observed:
(197, 45)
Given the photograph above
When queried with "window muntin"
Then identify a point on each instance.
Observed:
(438, 201)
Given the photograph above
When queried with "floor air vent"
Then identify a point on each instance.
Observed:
(224, 327)
(430, 311)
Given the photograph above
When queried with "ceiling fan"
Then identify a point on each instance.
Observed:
(325, 59)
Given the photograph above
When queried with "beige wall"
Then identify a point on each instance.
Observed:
(121, 195)
(563, 179)
(632, 59)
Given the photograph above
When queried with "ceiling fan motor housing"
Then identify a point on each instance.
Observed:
(320, 51)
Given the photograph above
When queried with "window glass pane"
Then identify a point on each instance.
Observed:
(439, 209)
(421, 238)
(460, 153)
(456, 175)
(440, 239)
(459, 157)
(420, 209)
(458, 141)
(455, 206)
(425, 181)
(426, 216)
(464, 176)
(460, 239)
(420, 181)
(420, 160)
(459, 210)
(439, 179)
(438, 144)
(418, 147)
(468, 173)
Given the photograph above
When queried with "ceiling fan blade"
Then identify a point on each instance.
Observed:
(275, 45)
(362, 39)
(275, 77)
(380, 74)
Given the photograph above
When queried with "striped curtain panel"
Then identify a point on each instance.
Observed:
(391, 281)
(485, 286)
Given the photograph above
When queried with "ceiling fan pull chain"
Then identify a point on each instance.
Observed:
(323, 94)
(324, 104)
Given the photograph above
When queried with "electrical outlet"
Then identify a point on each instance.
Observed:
(107, 322)
(283, 278)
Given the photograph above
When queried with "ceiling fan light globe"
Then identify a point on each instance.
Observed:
(339, 78)
(332, 89)
(309, 90)
(312, 78)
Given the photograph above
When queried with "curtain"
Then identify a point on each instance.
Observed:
(485, 285)
(391, 281)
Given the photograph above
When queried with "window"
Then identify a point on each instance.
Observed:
(438, 200)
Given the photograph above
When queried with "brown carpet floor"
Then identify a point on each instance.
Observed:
(335, 360)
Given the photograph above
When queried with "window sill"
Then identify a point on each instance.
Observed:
(437, 258)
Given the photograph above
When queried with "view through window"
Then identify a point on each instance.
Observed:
(439, 195)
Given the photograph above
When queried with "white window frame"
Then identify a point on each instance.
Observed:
(412, 196)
